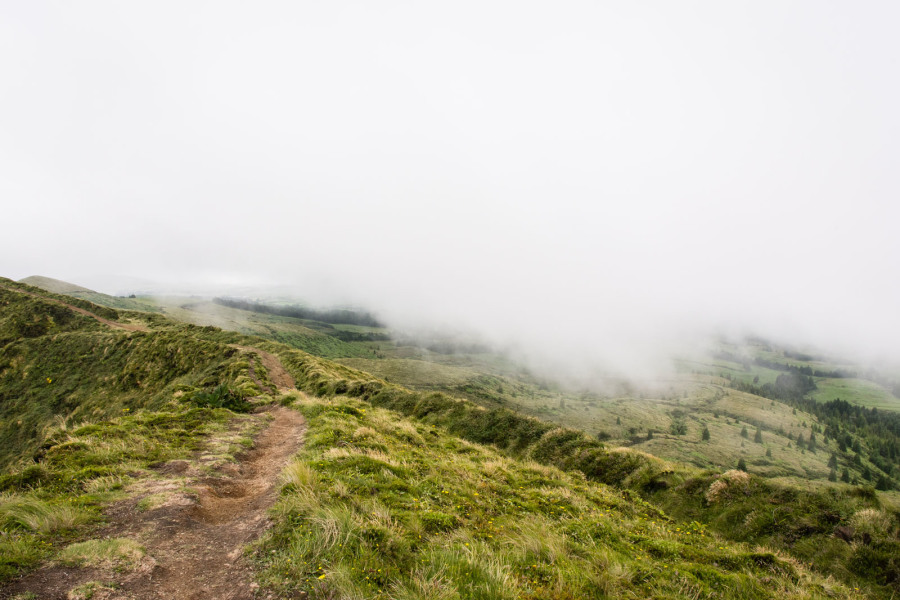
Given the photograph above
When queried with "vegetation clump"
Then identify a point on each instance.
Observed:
(221, 396)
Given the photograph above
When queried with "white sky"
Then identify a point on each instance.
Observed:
(587, 178)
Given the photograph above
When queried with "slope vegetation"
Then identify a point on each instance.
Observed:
(397, 493)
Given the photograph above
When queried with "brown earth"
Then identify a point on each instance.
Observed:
(195, 537)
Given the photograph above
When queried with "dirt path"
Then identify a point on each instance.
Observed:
(198, 550)
(81, 311)
(194, 539)
(277, 373)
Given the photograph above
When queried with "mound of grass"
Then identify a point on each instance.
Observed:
(32, 514)
(89, 590)
(119, 553)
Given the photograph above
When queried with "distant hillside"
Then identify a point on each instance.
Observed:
(76, 291)
(55, 285)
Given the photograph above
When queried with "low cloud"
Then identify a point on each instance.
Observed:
(590, 187)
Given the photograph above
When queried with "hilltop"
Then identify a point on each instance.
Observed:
(395, 492)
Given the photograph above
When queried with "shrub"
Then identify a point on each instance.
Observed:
(221, 396)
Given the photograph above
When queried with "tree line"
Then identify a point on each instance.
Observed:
(337, 316)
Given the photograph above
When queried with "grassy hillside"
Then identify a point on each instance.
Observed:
(419, 494)
(59, 367)
(381, 507)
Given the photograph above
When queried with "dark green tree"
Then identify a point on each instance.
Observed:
(742, 465)
(832, 475)
(845, 476)
(678, 427)
(705, 435)
(744, 433)
(758, 437)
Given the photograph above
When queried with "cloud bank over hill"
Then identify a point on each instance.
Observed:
(581, 182)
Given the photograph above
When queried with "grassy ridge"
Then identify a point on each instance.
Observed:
(57, 366)
(76, 291)
(101, 311)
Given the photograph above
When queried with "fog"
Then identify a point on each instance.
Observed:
(585, 184)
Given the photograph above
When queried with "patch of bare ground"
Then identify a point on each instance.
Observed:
(193, 525)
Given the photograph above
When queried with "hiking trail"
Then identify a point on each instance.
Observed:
(193, 540)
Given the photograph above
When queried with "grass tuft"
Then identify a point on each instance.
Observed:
(120, 553)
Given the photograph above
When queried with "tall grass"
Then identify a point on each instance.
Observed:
(382, 507)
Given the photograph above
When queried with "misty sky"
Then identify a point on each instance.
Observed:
(590, 178)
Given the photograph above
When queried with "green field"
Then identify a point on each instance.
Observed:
(856, 391)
